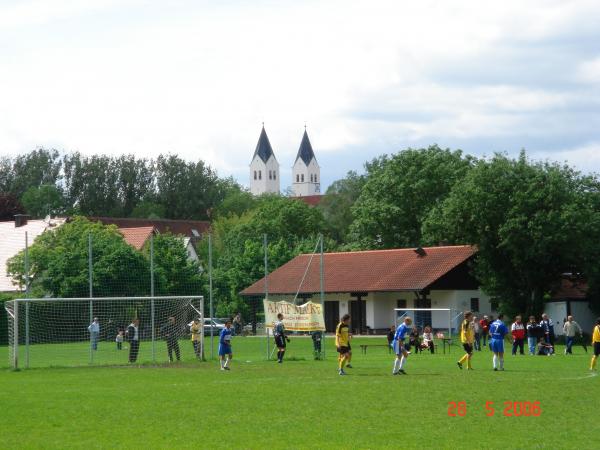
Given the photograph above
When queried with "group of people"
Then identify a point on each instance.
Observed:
(169, 331)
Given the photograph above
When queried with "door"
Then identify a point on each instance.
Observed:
(358, 316)
(423, 318)
(332, 316)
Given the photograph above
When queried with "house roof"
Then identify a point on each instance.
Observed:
(182, 227)
(305, 152)
(570, 289)
(12, 241)
(263, 147)
(137, 237)
(366, 271)
(311, 200)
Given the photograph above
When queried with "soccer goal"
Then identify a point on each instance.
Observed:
(431, 317)
(104, 331)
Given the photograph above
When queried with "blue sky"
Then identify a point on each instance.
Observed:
(198, 78)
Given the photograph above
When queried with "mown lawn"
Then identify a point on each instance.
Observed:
(300, 404)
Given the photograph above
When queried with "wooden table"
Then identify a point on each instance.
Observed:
(364, 347)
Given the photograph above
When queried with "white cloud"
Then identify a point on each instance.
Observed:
(198, 78)
(589, 71)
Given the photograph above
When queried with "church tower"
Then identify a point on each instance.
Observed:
(306, 174)
(264, 168)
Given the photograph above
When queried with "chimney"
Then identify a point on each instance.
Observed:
(20, 220)
(420, 251)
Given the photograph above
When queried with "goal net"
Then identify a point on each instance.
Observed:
(443, 320)
(104, 331)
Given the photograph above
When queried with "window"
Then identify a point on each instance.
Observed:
(255, 174)
(311, 178)
(475, 304)
(274, 174)
(315, 177)
(302, 178)
(270, 175)
(297, 178)
(260, 174)
(401, 303)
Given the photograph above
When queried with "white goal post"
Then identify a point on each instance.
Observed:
(46, 332)
(450, 315)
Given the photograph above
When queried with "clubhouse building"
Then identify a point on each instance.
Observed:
(370, 285)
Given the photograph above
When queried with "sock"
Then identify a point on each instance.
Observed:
(227, 362)
(341, 363)
(396, 365)
(463, 359)
(469, 363)
(281, 357)
(495, 360)
(221, 362)
(278, 355)
(402, 362)
(593, 362)
(502, 362)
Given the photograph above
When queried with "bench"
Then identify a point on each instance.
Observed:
(364, 347)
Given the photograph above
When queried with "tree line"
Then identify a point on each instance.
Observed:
(46, 181)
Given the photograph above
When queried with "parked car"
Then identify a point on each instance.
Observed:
(216, 324)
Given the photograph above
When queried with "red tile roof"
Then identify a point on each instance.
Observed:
(570, 289)
(311, 200)
(182, 227)
(367, 271)
(136, 237)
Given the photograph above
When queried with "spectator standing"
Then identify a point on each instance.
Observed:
(195, 330)
(119, 340)
(517, 329)
(548, 329)
(169, 332)
(570, 329)
(94, 329)
(133, 335)
(533, 330)
(428, 339)
(476, 333)
(238, 326)
(390, 335)
(484, 326)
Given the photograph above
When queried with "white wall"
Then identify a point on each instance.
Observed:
(557, 311)
(583, 315)
(302, 188)
(264, 185)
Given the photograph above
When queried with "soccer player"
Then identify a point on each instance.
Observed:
(595, 344)
(467, 337)
(497, 332)
(399, 348)
(195, 330)
(225, 354)
(342, 341)
(280, 337)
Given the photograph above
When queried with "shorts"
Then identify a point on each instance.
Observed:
(497, 345)
(597, 348)
(343, 350)
(398, 347)
(280, 341)
(468, 347)
(224, 350)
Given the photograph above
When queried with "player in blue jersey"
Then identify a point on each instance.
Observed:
(398, 344)
(225, 354)
(497, 332)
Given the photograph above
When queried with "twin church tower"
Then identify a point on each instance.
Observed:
(264, 169)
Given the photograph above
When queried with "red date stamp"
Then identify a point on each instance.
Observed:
(509, 409)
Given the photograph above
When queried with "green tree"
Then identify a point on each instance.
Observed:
(58, 262)
(175, 273)
(33, 169)
(530, 221)
(337, 203)
(148, 209)
(399, 192)
(43, 200)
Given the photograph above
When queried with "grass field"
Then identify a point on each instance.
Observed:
(301, 403)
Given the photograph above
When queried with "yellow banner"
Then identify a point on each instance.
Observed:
(306, 317)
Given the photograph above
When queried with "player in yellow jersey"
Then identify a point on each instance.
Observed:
(467, 337)
(342, 342)
(595, 344)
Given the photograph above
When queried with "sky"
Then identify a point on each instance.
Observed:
(198, 78)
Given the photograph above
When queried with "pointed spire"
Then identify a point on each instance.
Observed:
(305, 151)
(263, 147)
